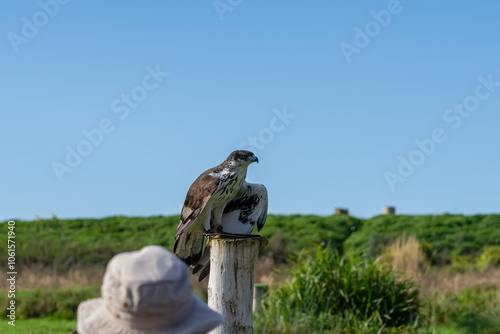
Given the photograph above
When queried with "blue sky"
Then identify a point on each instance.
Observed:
(356, 105)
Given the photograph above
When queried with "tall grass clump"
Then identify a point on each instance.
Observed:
(327, 293)
(405, 256)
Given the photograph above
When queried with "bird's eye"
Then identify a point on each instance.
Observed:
(244, 156)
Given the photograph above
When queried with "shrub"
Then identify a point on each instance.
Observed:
(490, 257)
(328, 293)
(461, 263)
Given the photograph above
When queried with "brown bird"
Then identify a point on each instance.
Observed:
(219, 201)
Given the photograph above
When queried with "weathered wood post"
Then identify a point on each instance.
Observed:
(230, 285)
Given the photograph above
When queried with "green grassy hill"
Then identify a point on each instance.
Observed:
(62, 244)
(442, 236)
(58, 246)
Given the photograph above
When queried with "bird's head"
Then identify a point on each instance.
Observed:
(242, 158)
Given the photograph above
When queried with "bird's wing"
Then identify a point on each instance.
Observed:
(196, 199)
(247, 209)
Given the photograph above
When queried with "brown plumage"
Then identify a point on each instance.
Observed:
(219, 201)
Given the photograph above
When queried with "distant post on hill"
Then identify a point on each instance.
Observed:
(231, 282)
(389, 210)
(341, 211)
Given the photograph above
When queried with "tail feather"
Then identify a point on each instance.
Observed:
(189, 246)
(204, 273)
(204, 259)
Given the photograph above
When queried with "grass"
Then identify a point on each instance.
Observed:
(39, 326)
(452, 258)
(442, 329)
(446, 280)
(58, 303)
(80, 243)
(36, 277)
(406, 254)
(57, 326)
(62, 245)
(473, 310)
(327, 293)
(441, 236)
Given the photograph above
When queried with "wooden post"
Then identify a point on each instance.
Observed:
(230, 285)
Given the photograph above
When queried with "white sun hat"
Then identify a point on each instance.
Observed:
(146, 292)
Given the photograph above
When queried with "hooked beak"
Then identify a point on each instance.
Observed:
(255, 159)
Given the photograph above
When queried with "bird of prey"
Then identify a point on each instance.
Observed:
(219, 201)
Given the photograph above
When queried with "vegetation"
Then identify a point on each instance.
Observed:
(342, 288)
(58, 303)
(489, 258)
(290, 234)
(441, 236)
(39, 326)
(327, 293)
(83, 242)
(65, 244)
(472, 310)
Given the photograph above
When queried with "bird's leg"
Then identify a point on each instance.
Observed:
(219, 229)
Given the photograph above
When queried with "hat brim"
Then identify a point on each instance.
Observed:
(94, 318)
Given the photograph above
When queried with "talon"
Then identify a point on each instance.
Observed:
(219, 229)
